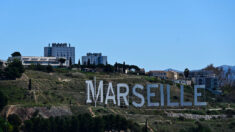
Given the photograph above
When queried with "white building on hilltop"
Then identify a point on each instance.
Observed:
(94, 59)
(44, 61)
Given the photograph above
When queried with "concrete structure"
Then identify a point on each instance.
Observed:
(34, 60)
(60, 50)
(207, 78)
(94, 59)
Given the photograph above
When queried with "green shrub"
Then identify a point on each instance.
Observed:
(14, 69)
(3, 101)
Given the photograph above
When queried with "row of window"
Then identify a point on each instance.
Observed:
(41, 62)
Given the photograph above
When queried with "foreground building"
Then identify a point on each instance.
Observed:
(44, 61)
(94, 59)
(60, 50)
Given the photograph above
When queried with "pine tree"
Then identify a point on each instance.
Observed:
(186, 73)
(79, 63)
(70, 62)
(30, 84)
(124, 67)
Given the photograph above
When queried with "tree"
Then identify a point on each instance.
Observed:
(62, 61)
(5, 126)
(215, 70)
(108, 68)
(79, 63)
(124, 67)
(116, 67)
(14, 69)
(145, 128)
(1, 64)
(1, 74)
(49, 68)
(30, 84)
(3, 101)
(70, 62)
(186, 72)
(15, 54)
(89, 62)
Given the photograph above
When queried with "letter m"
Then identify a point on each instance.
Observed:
(95, 96)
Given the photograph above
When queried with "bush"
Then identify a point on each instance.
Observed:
(199, 128)
(15, 121)
(81, 123)
(230, 113)
(181, 118)
(39, 67)
(4, 125)
(14, 69)
(3, 101)
(232, 125)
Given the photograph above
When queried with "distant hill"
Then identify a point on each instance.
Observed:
(226, 67)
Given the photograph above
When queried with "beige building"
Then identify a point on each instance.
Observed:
(172, 75)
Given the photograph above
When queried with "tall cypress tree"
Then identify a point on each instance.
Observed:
(30, 84)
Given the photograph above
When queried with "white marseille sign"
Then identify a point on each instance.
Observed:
(92, 95)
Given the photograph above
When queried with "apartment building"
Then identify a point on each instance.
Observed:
(207, 78)
(60, 50)
(94, 59)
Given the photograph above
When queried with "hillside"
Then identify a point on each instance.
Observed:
(64, 93)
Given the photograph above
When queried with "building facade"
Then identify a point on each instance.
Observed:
(159, 74)
(94, 59)
(60, 50)
(207, 78)
(172, 75)
(44, 61)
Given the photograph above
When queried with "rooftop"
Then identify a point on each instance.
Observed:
(58, 45)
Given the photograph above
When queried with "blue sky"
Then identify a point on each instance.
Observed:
(149, 33)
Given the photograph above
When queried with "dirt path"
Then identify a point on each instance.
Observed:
(151, 130)
(91, 111)
(10, 110)
(113, 111)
